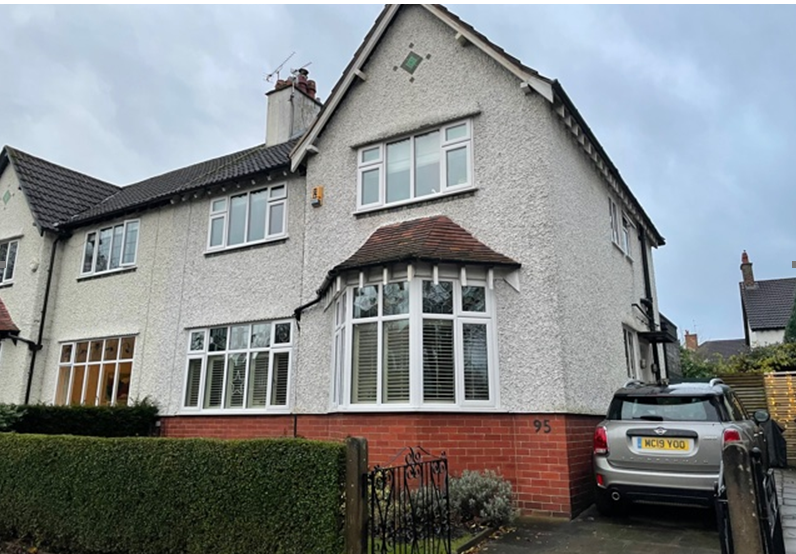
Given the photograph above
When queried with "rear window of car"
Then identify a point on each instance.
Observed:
(664, 408)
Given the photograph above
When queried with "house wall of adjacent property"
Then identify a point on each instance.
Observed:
(175, 286)
(764, 338)
(23, 296)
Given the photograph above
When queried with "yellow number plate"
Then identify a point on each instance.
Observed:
(654, 443)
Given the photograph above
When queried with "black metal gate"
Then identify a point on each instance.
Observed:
(409, 505)
(767, 508)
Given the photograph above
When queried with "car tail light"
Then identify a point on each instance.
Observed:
(731, 435)
(601, 480)
(600, 441)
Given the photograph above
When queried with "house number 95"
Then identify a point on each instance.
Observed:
(540, 424)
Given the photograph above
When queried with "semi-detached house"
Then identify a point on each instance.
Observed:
(440, 254)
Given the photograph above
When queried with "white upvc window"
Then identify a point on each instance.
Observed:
(614, 221)
(631, 349)
(627, 236)
(248, 218)
(95, 372)
(415, 167)
(416, 343)
(8, 260)
(241, 367)
(110, 248)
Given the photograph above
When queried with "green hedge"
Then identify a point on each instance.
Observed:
(102, 421)
(163, 496)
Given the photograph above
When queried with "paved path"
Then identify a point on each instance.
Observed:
(786, 494)
(650, 530)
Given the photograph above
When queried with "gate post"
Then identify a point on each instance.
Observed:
(356, 489)
(741, 500)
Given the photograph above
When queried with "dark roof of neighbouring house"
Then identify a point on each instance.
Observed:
(6, 324)
(768, 304)
(434, 239)
(54, 193)
(723, 348)
(163, 187)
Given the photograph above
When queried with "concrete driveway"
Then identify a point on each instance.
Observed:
(650, 530)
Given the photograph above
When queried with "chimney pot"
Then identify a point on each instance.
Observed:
(746, 270)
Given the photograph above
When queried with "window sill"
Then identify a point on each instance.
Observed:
(6, 285)
(232, 412)
(622, 250)
(237, 247)
(107, 273)
(399, 206)
(436, 408)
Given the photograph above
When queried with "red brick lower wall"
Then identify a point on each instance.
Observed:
(547, 457)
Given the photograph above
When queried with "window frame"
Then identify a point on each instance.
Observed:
(224, 216)
(445, 146)
(343, 371)
(627, 235)
(632, 354)
(126, 224)
(613, 209)
(272, 350)
(102, 363)
(4, 280)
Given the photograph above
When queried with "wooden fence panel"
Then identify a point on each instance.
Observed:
(780, 388)
(750, 389)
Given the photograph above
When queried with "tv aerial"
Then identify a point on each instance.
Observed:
(276, 71)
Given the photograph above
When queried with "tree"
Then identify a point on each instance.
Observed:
(790, 330)
(694, 366)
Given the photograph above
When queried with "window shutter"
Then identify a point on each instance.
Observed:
(396, 361)
(215, 382)
(258, 379)
(476, 361)
(279, 379)
(194, 380)
(438, 361)
(365, 363)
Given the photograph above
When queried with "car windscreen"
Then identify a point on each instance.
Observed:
(664, 408)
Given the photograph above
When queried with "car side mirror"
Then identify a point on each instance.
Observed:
(761, 416)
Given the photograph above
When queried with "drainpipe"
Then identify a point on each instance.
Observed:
(38, 345)
(649, 303)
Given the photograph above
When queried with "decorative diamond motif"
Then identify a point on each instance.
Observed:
(6, 197)
(411, 62)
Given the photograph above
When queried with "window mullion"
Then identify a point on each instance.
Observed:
(270, 374)
(247, 353)
(416, 342)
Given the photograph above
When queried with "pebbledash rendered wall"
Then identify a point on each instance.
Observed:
(174, 287)
(560, 340)
(24, 296)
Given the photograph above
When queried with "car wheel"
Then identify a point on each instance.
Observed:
(608, 507)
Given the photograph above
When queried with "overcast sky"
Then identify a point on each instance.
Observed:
(695, 106)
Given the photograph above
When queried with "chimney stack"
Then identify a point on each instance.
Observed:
(292, 107)
(746, 271)
(691, 341)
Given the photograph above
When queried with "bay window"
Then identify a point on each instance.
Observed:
(416, 167)
(248, 217)
(110, 248)
(414, 343)
(95, 372)
(239, 367)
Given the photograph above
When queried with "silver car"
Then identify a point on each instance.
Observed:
(662, 443)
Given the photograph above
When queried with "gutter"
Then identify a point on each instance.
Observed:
(42, 320)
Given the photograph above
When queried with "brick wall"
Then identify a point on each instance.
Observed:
(547, 457)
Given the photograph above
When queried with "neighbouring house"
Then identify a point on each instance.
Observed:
(440, 254)
(767, 306)
(715, 349)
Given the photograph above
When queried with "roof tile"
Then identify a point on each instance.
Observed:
(6, 324)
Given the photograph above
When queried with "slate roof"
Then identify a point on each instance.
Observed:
(54, 193)
(768, 304)
(163, 187)
(434, 239)
(6, 324)
(723, 348)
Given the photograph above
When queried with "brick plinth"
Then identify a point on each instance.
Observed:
(547, 457)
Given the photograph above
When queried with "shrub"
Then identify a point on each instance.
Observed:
(9, 416)
(172, 496)
(481, 498)
(137, 420)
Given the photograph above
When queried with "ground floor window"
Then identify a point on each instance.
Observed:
(422, 342)
(631, 348)
(239, 367)
(95, 372)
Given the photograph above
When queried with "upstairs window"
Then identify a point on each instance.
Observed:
(415, 167)
(8, 259)
(110, 248)
(614, 221)
(247, 218)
